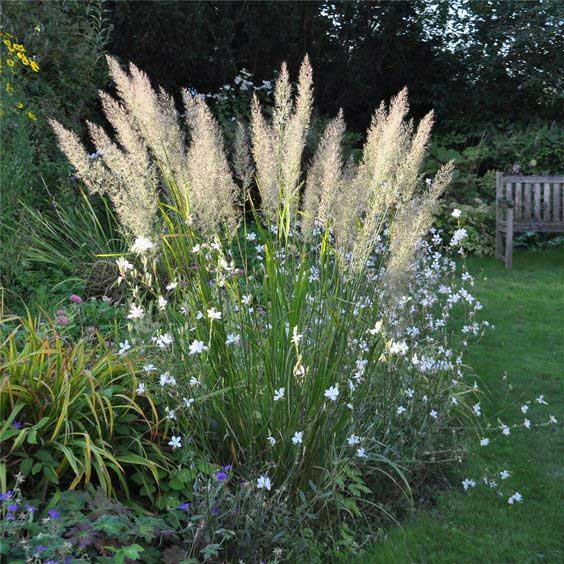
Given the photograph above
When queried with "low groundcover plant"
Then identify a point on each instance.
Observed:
(296, 330)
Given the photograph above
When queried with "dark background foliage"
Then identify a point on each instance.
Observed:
(484, 60)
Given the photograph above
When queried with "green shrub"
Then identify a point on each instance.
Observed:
(70, 414)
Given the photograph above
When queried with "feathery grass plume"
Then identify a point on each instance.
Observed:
(134, 192)
(324, 178)
(409, 226)
(409, 171)
(384, 152)
(265, 160)
(131, 189)
(157, 120)
(241, 158)
(278, 146)
(294, 139)
(212, 190)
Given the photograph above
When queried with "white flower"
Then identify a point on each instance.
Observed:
(170, 413)
(199, 315)
(271, 440)
(141, 388)
(196, 249)
(166, 378)
(332, 393)
(516, 497)
(188, 402)
(477, 409)
(360, 452)
(504, 474)
(194, 381)
(524, 408)
(540, 400)
(296, 338)
(141, 245)
(505, 430)
(399, 347)
(171, 285)
(377, 328)
(124, 347)
(163, 341)
(263, 483)
(468, 484)
(527, 424)
(400, 410)
(279, 394)
(246, 299)
(135, 312)
(197, 347)
(484, 442)
(232, 339)
(458, 236)
(123, 264)
(353, 440)
(162, 302)
(552, 419)
(251, 236)
(175, 442)
(409, 392)
(456, 213)
(149, 368)
(213, 314)
(434, 414)
(298, 438)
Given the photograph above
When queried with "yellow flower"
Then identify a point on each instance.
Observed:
(23, 59)
(19, 105)
(19, 47)
(34, 66)
(9, 88)
(31, 116)
(10, 62)
(7, 42)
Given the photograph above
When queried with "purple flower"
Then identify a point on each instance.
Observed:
(13, 507)
(228, 467)
(221, 476)
(62, 320)
(40, 548)
(31, 509)
(5, 496)
(215, 510)
(75, 299)
(17, 425)
(54, 514)
(61, 313)
(184, 506)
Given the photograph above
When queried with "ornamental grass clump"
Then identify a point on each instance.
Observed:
(308, 348)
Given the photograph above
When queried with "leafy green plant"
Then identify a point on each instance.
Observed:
(70, 414)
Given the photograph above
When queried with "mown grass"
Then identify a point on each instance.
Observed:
(527, 306)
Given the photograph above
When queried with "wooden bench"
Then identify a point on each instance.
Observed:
(526, 203)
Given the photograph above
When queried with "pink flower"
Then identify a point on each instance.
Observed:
(63, 320)
(75, 299)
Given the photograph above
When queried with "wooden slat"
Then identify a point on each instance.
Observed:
(557, 202)
(508, 193)
(537, 200)
(518, 201)
(558, 178)
(527, 212)
(547, 207)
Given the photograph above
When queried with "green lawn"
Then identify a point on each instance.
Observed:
(527, 306)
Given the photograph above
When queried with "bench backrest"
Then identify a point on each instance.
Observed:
(538, 201)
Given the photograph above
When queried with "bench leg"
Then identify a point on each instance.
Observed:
(498, 244)
(509, 240)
